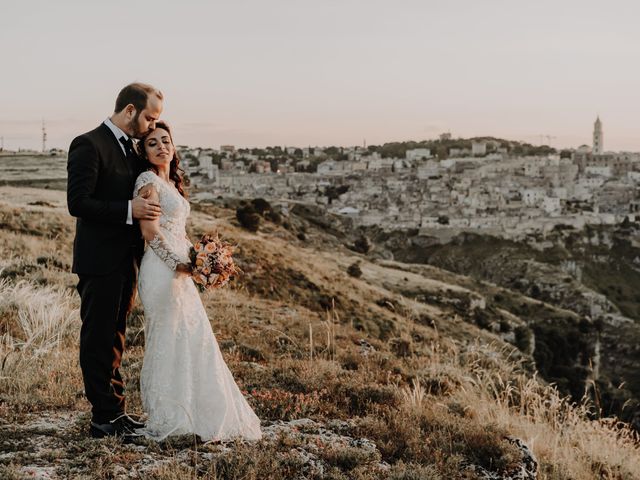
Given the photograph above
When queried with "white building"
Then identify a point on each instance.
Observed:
(207, 167)
(583, 149)
(532, 168)
(429, 169)
(478, 149)
(400, 165)
(329, 167)
(385, 164)
(418, 154)
(598, 171)
(561, 193)
(212, 172)
(359, 166)
(551, 205)
(205, 160)
(532, 196)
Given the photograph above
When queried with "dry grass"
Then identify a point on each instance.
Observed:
(565, 441)
(38, 327)
(431, 399)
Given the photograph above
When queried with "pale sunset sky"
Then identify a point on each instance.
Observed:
(330, 72)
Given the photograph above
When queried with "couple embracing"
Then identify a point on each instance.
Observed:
(123, 196)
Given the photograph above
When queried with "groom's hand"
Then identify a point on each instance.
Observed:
(185, 268)
(144, 209)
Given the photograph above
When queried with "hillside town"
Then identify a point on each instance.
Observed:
(438, 187)
(488, 186)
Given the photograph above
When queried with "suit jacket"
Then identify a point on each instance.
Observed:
(100, 184)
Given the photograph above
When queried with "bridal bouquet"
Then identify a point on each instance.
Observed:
(212, 262)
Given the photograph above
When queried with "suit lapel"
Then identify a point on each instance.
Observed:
(121, 155)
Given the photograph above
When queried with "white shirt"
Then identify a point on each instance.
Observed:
(119, 133)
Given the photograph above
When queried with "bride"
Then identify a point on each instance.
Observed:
(185, 384)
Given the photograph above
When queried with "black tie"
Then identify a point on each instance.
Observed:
(128, 147)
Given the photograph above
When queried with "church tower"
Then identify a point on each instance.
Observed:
(598, 148)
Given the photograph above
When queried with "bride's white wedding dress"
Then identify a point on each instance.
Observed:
(185, 384)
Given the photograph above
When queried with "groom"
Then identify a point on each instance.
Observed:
(102, 168)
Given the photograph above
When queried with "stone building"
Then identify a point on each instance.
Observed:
(598, 140)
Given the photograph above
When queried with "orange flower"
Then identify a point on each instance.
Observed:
(201, 259)
(198, 247)
(209, 247)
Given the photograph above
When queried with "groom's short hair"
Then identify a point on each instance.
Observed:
(136, 94)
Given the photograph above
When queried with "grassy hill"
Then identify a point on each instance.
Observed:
(577, 291)
(405, 372)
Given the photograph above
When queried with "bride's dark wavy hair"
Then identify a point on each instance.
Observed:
(176, 173)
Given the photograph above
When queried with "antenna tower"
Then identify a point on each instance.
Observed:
(44, 137)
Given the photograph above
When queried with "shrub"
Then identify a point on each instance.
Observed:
(248, 218)
(273, 216)
(401, 347)
(354, 270)
(362, 245)
(523, 338)
(260, 205)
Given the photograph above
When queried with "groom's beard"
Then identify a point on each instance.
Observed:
(134, 127)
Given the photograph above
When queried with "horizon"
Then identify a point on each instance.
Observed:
(378, 145)
(254, 75)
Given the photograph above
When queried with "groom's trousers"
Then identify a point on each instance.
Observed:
(105, 303)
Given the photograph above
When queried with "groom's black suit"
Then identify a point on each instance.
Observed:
(106, 252)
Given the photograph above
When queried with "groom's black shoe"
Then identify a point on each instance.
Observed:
(132, 422)
(118, 427)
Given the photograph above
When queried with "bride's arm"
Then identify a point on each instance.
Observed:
(151, 233)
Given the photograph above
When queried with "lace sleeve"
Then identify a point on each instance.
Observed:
(145, 178)
(162, 250)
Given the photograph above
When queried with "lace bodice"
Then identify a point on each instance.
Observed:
(175, 208)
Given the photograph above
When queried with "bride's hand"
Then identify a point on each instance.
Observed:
(185, 268)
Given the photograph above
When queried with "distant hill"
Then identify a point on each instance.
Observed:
(441, 148)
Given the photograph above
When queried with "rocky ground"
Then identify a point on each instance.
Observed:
(54, 445)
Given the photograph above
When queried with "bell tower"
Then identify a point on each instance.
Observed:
(598, 146)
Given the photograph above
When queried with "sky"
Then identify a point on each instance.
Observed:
(329, 72)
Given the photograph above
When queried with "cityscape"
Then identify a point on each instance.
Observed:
(489, 186)
(496, 186)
